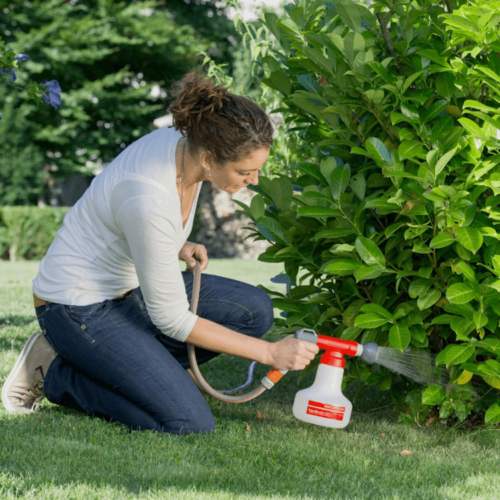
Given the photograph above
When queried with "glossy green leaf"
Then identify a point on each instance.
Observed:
(410, 149)
(342, 267)
(433, 395)
(375, 308)
(455, 354)
(429, 299)
(358, 185)
(461, 293)
(442, 240)
(339, 232)
(339, 181)
(370, 321)
(399, 336)
(470, 238)
(318, 212)
(492, 415)
(369, 252)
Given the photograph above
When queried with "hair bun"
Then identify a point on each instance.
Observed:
(225, 125)
(196, 96)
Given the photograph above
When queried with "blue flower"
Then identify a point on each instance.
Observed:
(21, 57)
(6, 71)
(0, 115)
(51, 93)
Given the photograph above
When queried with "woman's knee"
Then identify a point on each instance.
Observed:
(263, 313)
(190, 425)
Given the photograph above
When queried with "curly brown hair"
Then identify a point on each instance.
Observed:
(228, 126)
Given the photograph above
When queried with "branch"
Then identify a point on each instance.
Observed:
(387, 38)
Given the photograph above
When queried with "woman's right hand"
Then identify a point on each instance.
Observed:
(291, 354)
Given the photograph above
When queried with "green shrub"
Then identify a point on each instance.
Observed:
(27, 232)
(393, 217)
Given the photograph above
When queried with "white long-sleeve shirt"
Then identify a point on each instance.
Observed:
(124, 232)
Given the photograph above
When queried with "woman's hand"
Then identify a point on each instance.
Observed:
(190, 252)
(291, 354)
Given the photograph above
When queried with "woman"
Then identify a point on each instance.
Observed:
(111, 301)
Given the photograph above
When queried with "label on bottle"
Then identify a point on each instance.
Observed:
(325, 411)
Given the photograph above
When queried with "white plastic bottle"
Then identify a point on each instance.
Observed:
(323, 403)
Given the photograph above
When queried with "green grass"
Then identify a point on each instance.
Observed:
(59, 454)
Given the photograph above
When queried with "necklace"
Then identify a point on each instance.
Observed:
(182, 185)
(182, 177)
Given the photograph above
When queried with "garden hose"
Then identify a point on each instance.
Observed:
(267, 382)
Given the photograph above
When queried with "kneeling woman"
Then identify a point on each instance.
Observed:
(111, 301)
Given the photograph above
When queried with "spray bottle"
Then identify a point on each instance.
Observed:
(323, 403)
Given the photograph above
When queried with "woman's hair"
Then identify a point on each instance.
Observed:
(228, 126)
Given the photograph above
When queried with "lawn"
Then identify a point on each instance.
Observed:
(258, 451)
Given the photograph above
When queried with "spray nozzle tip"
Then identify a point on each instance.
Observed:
(370, 352)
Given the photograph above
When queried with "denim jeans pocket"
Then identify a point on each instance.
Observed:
(84, 317)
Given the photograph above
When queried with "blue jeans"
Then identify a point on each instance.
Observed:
(114, 363)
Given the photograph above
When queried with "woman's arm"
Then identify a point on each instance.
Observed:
(286, 354)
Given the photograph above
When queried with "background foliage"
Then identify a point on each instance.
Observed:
(114, 61)
(391, 221)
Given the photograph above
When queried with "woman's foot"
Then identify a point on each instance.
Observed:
(23, 389)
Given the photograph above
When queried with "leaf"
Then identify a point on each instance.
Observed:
(351, 333)
(443, 161)
(433, 56)
(272, 230)
(489, 72)
(419, 287)
(313, 171)
(399, 336)
(461, 293)
(445, 84)
(442, 240)
(358, 185)
(471, 127)
(470, 238)
(454, 354)
(492, 415)
(369, 252)
(339, 181)
(466, 270)
(370, 321)
(434, 110)
(410, 149)
(339, 232)
(429, 299)
(375, 308)
(464, 377)
(406, 452)
(349, 13)
(367, 273)
(289, 25)
(342, 267)
(281, 80)
(257, 207)
(318, 212)
(433, 395)
(377, 150)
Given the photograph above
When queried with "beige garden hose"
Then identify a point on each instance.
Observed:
(267, 382)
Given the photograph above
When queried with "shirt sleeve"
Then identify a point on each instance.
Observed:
(153, 244)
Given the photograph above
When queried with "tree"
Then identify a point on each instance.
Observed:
(115, 61)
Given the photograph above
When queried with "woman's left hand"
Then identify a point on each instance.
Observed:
(190, 252)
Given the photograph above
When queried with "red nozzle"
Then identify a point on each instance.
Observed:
(348, 347)
(335, 350)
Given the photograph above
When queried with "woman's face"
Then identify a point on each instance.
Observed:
(236, 175)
